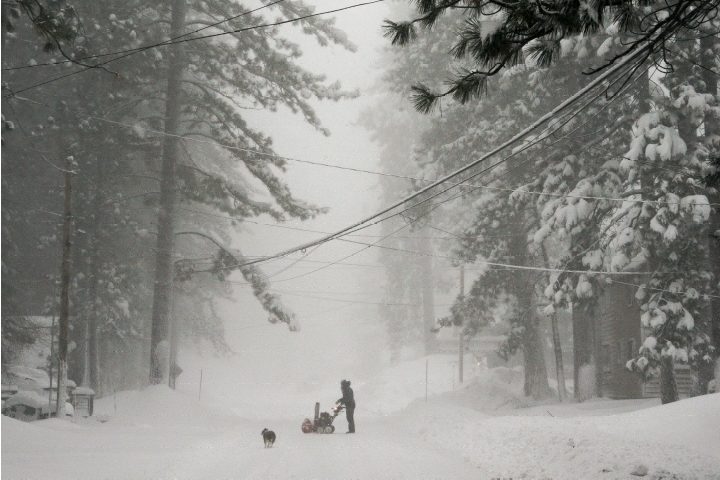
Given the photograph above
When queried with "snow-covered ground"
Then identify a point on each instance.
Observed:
(482, 431)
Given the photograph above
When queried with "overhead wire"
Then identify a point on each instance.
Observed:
(376, 244)
(185, 40)
(363, 302)
(571, 100)
(709, 295)
(374, 172)
(521, 135)
(549, 115)
(521, 267)
(144, 47)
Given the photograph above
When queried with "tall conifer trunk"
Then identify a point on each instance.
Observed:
(536, 381)
(163, 290)
(557, 346)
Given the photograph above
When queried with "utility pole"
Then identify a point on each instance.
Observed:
(461, 349)
(65, 290)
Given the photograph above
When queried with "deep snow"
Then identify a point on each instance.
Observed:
(484, 430)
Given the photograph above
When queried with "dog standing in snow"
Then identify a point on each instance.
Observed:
(268, 437)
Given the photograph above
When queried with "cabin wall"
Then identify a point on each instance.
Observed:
(618, 340)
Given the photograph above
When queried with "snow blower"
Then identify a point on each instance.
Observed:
(323, 421)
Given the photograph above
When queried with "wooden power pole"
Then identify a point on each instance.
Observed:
(64, 320)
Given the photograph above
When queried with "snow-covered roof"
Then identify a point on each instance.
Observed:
(83, 391)
(29, 398)
(40, 377)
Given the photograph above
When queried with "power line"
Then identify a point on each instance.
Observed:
(663, 290)
(541, 136)
(385, 174)
(363, 302)
(131, 52)
(554, 112)
(504, 265)
(185, 40)
(367, 246)
(495, 264)
(364, 223)
(143, 48)
(309, 230)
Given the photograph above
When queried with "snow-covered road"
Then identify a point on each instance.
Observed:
(186, 441)
(377, 451)
(478, 432)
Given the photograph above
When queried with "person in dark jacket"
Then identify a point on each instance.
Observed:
(348, 399)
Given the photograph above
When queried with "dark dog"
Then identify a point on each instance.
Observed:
(268, 437)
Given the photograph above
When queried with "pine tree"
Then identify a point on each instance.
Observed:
(116, 121)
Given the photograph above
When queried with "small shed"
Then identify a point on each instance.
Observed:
(82, 400)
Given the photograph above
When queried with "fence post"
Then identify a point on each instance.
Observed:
(426, 378)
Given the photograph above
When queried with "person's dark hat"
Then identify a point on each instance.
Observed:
(345, 382)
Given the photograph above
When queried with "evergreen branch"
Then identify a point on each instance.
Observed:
(469, 86)
(228, 260)
(401, 33)
(424, 100)
(544, 52)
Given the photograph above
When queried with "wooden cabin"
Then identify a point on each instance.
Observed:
(618, 336)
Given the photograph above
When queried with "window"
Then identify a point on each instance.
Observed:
(631, 349)
(605, 357)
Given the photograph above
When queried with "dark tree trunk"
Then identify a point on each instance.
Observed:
(584, 358)
(557, 346)
(163, 290)
(668, 385)
(559, 368)
(536, 381)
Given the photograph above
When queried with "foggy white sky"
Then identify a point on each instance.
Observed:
(338, 339)
(349, 195)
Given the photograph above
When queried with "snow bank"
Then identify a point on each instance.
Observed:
(484, 429)
(147, 435)
(693, 422)
(398, 386)
(680, 439)
(159, 406)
